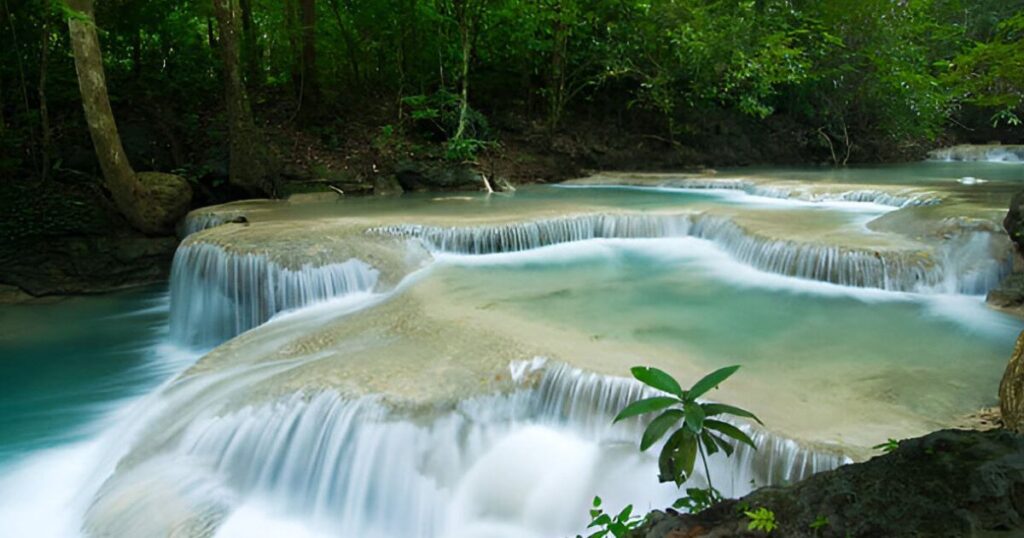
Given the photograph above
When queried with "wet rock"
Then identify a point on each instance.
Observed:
(431, 176)
(1014, 221)
(168, 198)
(69, 265)
(947, 483)
(1009, 294)
(1011, 389)
(386, 185)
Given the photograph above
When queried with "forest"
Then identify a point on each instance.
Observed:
(702, 82)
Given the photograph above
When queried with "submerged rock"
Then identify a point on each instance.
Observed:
(1011, 389)
(947, 483)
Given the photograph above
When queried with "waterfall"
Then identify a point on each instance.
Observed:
(202, 219)
(973, 153)
(962, 266)
(217, 294)
(900, 199)
(519, 236)
(526, 461)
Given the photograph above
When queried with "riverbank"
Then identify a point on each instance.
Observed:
(948, 483)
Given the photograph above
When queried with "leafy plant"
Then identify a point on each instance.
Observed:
(698, 499)
(819, 523)
(606, 525)
(888, 446)
(698, 432)
(761, 519)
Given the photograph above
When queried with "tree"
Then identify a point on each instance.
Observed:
(152, 202)
(309, 89)
(247, 164)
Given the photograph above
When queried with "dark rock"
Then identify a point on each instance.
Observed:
(1014, 221)
(1009, 293)
(67, 265)
(386, 185)
(1011, 389)
(437, 176)
(947, 483)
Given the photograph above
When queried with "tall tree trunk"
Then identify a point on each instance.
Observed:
(152, 202)
(465, 20)
(44, 113)
(310, 89)
(250, 46)
(247, 165)
(556, 84)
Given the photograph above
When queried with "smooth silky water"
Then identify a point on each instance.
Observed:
(884, 335)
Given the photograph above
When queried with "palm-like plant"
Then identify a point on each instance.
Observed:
(699, 432)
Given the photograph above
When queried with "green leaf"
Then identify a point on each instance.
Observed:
(710, 446)
(712, 409)
(729, 430)
(648, 405)
(686, 455)
(666, 460)
(657, 428)
(658, 379)
(695, 418)
(710, 381)
(725, 445)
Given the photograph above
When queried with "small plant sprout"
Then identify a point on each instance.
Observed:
(698, 433)
(697, 500)
(607, 525)
(819, 523)
(888, 446)
(761, 519)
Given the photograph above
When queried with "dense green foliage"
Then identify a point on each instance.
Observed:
(843, 80)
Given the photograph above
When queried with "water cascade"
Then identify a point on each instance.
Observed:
(984, 153)
(522, 463)
(899, 199)
(964, 266)
(216, 294)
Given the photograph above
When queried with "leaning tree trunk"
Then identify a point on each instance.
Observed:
(152, 202)
(247, 164)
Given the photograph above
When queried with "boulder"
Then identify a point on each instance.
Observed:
(166, 199)
(386, 185)
(1011, 389)
(947, 483)
(1014, 221)
(437, 176)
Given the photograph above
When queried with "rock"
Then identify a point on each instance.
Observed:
(69, 265)
(947, 483)
(1014, 221)
(167, 198)
(1010, 292)
(386, 185)
(314, 197)
(1011, 389)
(437, 176)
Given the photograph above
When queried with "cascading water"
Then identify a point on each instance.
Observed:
(217, 294)
(865, 196)
(523, 463)
(975, 153)
(965, 266)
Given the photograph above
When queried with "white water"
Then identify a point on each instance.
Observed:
(1013, 154)
(520, 464)
(216, 294)
(965, 265)
(751, 193)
